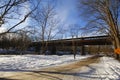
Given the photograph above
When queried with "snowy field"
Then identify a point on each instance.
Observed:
(107, 69)
(33, 62)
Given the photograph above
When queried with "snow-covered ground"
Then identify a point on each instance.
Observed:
(33, 62)
(107, 69)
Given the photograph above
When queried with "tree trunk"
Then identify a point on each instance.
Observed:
(43, 48)
(116, 44)
(74, 48)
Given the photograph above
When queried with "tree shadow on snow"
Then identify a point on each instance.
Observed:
(6, 79)
(14, 70)
(90, 74)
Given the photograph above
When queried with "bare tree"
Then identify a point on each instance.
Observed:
(104, 17)
(74, 32)
(46, 23)
(23, 40)
(11, 15)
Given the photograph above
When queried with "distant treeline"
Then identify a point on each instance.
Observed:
(20, 42)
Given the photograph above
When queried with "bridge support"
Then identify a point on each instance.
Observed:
(82, 50)
(53, 49)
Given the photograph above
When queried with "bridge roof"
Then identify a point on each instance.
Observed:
(83, 38)
(94, 40)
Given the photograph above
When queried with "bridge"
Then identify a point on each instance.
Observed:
(94, 40)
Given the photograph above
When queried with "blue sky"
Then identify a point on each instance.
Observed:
(68, 12)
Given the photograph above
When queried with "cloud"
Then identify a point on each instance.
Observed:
(2, 29)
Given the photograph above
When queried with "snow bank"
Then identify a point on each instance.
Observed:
(107, 69)
(33, 62)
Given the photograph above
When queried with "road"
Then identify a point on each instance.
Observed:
(72, 71)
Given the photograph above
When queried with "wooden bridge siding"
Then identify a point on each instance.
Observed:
(102, 40)
(81, 42)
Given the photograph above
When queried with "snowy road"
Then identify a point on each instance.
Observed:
(103, 68)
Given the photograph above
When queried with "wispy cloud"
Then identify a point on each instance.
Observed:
(67, 11)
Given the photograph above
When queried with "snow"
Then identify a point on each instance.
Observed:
(34, 62)
(107, 69)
